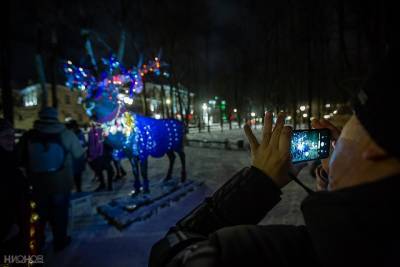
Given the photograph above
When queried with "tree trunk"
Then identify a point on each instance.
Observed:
(53, 65)
(40, 67)
(237, 107)
(144, 98)
(173, 102)
(309, 71)
(163, 106)
(342, 41)
(188, 112)
(180, 103)
(6, 93)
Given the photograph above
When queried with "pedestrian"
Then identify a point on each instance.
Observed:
(47, 152)
(352, 223)
(14, 198)
(99, 161)
(107, 160)
(120, 171)
(79, 164)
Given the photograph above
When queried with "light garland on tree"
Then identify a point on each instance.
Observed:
(33, 221)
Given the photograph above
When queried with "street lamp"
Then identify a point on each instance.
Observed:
(253, 114)
(206, 115)
(328, 105)
(235, 110)
(302, 108)
(168, 101)
(305, 115)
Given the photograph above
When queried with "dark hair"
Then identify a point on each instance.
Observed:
(72, 124)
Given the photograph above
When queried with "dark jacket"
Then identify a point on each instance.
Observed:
(14, 206)
(55, 182)
(357, 226)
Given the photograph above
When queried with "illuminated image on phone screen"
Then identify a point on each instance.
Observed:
(309, 145)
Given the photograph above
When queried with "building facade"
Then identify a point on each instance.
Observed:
(160, 101)
(27, 103)
(164, 101)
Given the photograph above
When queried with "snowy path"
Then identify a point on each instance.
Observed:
(98, 244)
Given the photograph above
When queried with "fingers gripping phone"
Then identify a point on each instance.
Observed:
(307, 145)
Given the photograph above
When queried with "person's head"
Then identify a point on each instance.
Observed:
(73, 125)
(6, 135)
(49, 114)
(358, 159)
(369, 147)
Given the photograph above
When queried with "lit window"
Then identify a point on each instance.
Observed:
(30, 98)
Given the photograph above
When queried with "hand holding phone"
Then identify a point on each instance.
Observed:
(271, 155)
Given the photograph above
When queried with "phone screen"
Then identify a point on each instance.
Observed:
(309, 145)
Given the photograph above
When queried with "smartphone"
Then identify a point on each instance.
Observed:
(307, 145)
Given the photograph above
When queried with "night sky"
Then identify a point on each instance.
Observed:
(244, 51)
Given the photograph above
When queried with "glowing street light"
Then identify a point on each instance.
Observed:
(328, 105)
(288, 118)
(335, 112)
(168, 101)
(305, 115)
(235, 110)
(327, 117)
(253, 114)
(302, 108)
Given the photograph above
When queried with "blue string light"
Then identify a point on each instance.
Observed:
(106, 100)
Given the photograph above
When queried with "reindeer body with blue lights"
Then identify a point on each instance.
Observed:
(132, 136)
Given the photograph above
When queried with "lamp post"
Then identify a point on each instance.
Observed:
(205, 108)
(208, 118)
(253, 115)
(168, 102)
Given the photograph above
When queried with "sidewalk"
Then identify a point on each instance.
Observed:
(95, 243)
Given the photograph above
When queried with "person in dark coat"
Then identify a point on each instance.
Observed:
(14, 197)
(100, 157)
(48, 143)
(352, 223)
(80, 163)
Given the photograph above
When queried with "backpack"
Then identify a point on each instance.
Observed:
(46, 152)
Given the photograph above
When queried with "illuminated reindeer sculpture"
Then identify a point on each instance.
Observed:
(107, 97)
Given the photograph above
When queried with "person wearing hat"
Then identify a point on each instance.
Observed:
(47, 153)
(352, 223)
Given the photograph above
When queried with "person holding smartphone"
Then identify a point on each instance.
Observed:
(352, 223)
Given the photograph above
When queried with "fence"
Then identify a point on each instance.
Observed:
(226, 144)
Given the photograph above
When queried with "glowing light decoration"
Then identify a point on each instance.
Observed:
(114, 76)
(109, 91)
(108, 96)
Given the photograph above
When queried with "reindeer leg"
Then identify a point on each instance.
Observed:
(182, 156)
(171, 157)
(143, 170)
(135, 169)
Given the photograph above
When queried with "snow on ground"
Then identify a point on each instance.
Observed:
(95, 243)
